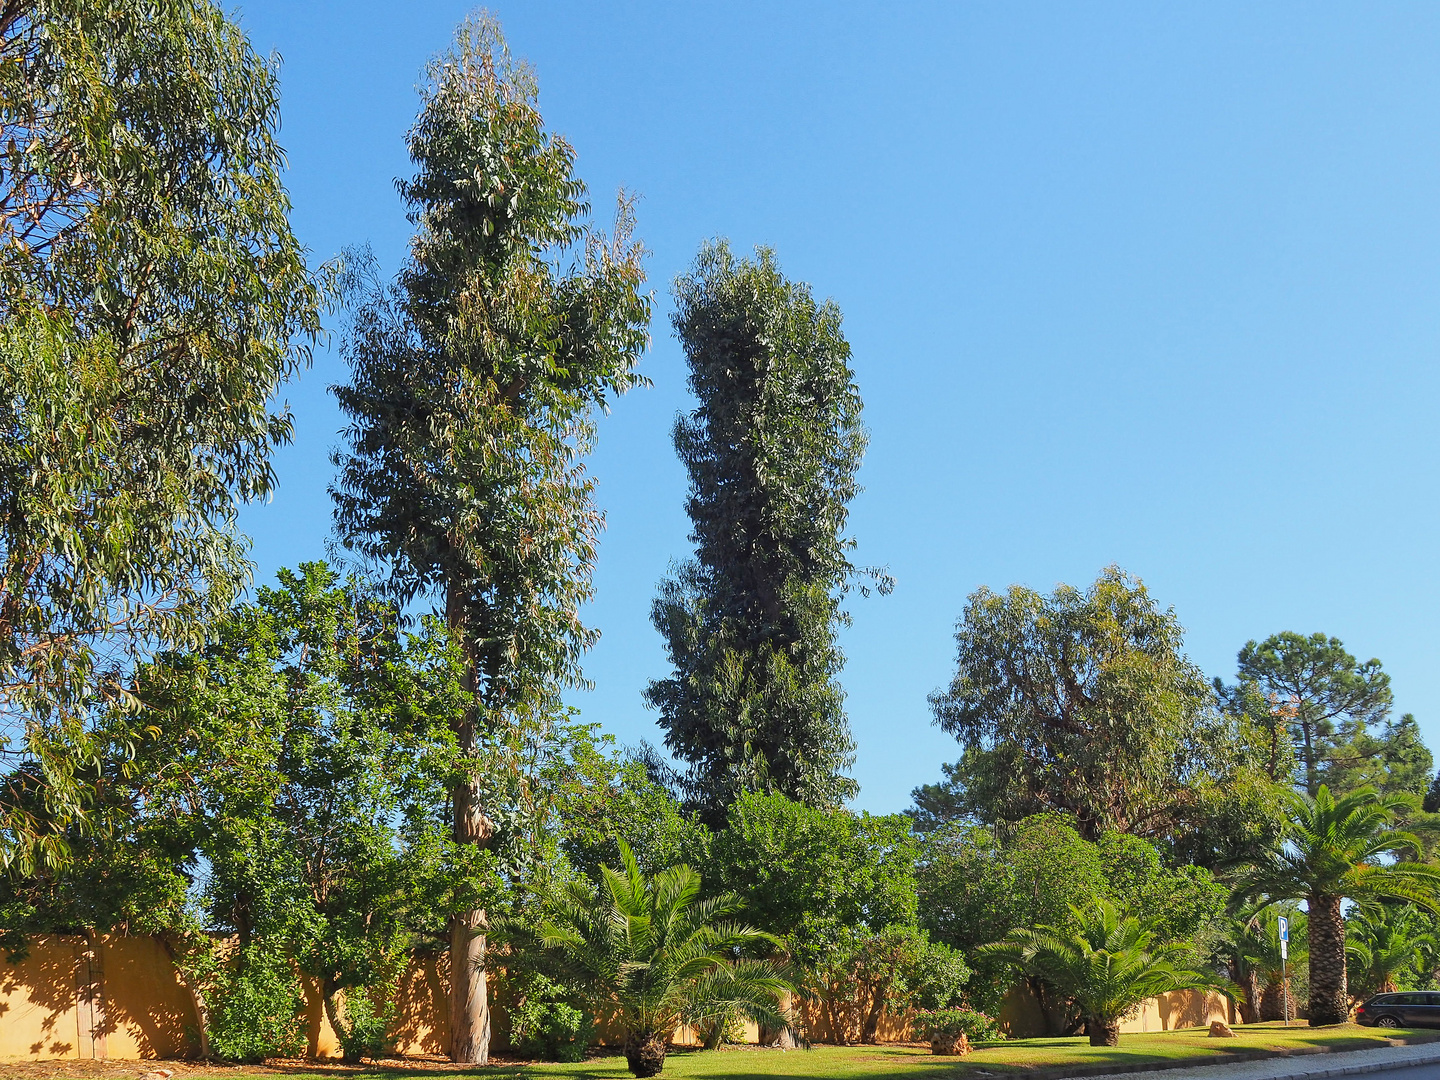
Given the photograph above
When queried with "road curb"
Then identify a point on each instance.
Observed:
(1250, 1057)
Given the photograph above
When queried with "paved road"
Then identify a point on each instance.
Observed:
(1389, 1063)
(1408, 1072)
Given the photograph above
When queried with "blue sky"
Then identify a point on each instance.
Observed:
(1155, 285)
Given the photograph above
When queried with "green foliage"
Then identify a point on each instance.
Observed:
(545, 1022)
(476, 377)
(867, 972)
(655, 953)
(152, 300)
(1104, 960)
(941, 1023)
(771, 450)
(1328, 702)
(620, 801)
(1389, 947)
(1081, 702)
(809, 874)
(363, 1024)
(974, 889)
(1336, 849)
(259, 1010)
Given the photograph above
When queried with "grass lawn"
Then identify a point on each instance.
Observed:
(744, 1063)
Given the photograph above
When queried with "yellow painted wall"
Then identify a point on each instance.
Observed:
(1021, 1016)
(119, 997)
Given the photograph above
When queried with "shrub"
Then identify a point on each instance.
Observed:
(951, 1023)
(363, 1029)
(550, 1030)
(258, 1009)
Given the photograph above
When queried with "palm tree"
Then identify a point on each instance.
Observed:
(1384, 946)
(1331, 852)
(1252, 948)
(655, 954)
(1108, 964)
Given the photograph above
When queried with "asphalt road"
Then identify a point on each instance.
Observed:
(1408, 1072)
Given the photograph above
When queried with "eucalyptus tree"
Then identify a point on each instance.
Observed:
(1335, 850)
(476, 376)
(1080, 701)
(753, 703)
(153, 299)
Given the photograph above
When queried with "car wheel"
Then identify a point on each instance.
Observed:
(1387, 1022)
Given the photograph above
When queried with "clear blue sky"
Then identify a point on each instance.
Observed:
(1150, 284)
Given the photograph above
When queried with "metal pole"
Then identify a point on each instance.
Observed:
(1285, 990)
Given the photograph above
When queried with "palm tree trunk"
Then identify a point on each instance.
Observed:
(1248, 979)
(644, 1052)
(1329, 1001)
(1103, 1031)
(1273, 1002)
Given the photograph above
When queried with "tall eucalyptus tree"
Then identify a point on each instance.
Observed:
(476, 376)
(153, 298)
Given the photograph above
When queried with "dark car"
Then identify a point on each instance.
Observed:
(1400, 1010)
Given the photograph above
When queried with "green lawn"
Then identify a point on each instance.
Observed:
(909, 1063)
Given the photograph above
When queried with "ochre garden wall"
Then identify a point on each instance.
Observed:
(119, 997)
(1021, 1016)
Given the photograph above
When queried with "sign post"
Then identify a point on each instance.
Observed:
(1284, 927)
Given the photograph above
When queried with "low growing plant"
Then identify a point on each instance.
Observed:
(951, 1031)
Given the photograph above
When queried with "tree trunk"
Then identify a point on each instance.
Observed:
(1329, 1002)
(644, 1052)
(1103, 1031)
(870, 1027)
(782, 1037)
(1273, 1002)
(1245, 977)
(1251, 1006)
(348, 1052)
(469, 991)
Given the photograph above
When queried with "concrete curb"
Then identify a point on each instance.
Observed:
(1252, 1057)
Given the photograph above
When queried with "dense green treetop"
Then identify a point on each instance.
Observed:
(1081, 702)
(771, 450)
(152, 300)
(1330, 703)
(806, 874)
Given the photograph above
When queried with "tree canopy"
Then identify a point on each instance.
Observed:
(1081, 702)
(1332, 704)
(153, 299)
(771, 450)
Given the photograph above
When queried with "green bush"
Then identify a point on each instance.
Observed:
(546, 1023)
(258, 1009)
(942, 1023)
(364, 1028)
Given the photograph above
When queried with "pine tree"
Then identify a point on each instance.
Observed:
(772, 448)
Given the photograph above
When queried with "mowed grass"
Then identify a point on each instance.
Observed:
(1014, 1058)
